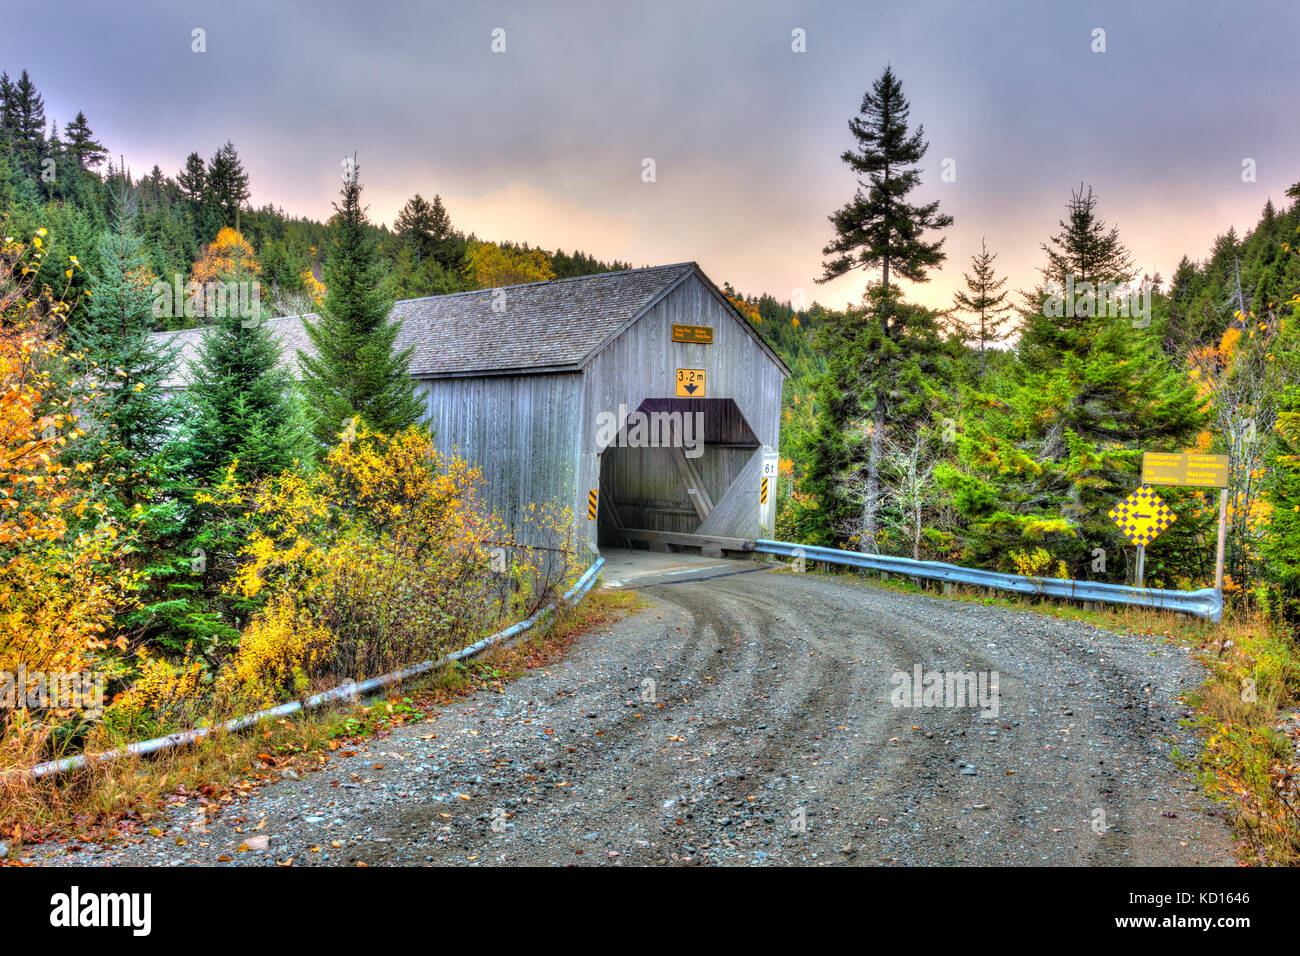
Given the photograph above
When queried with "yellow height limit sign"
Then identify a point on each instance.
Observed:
(690, 383)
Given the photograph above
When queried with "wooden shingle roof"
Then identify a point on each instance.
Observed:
(541, 326)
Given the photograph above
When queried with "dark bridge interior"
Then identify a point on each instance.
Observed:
(650, 482)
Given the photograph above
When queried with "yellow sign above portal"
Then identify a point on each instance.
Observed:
(1141, 516)
(693, 334)
(690, 383)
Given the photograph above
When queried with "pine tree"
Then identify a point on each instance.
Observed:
(417, 227)
(355, 371)
(192, 179)
(27, 119)
(985, 300)
(227, 184)
(1281, 544)
(132, 417)
(899, 356)
(1061, 439)
(426, 233)
(879, 228)
(130, 439)
(82, 145)
(8, 112)
(1084, 251)
(240, 403)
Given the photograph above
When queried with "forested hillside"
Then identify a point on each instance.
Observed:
(999, 432)
(64, 180)
(208, 553)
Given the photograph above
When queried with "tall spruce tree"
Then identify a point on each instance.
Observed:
(131, 443)
(880, 229)
(26, 122)
(985, 300)
(226, 184)
(192, 178)
(240, 401)
(418, 227)
(1085, 250)
(1062, 442)
(356, 370)
(132, 417)
(82, 145)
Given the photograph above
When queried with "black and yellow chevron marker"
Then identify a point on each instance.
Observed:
(1141, 516)
(762, 494)
(591, 505)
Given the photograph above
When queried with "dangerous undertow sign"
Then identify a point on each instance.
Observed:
(1187, 469)
(1141, 516)
(690, 383)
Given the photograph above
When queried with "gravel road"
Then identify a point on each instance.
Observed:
(771, 739)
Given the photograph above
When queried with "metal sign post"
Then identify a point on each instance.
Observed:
(1223, 537)
(1142, 564)
(1192, 470)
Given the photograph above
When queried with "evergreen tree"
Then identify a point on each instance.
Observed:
(240, 403)
(82, 145)
(879, 228)
(26, 121)
(418, 227)
(1281, 545)
(985, 300)
(425, 232)
(8, 113)
(900, 356)
(355, 371)
(412, 280)
(227, 184)
(1084, 251)
(1061, 439)
(192, 179)
(132, 417)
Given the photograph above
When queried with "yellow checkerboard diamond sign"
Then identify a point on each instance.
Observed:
(1141, 516)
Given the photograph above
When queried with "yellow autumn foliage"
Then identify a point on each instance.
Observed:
(490, 266)
(61, 558)
(163, 695)
(277, 653)
(383, 557)
(226, 256)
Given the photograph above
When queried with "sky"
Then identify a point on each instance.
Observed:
(545, 142)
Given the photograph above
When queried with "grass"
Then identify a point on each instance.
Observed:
(119, 799)
(1252, 685)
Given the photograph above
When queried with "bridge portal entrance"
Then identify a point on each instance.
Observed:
(676, 468)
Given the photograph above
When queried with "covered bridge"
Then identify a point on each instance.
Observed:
(641, 399)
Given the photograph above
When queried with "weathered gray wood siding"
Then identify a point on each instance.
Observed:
(523, 432)
(642, 363)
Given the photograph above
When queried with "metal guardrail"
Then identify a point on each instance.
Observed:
(1206, 603)
(348, 692)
